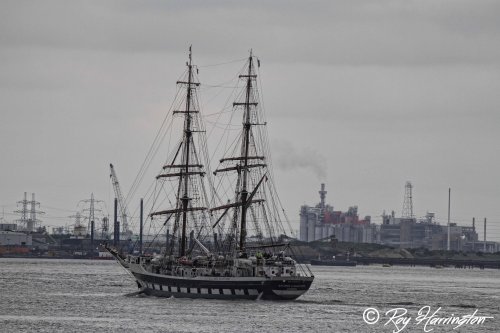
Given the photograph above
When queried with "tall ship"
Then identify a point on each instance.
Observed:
(225, 229)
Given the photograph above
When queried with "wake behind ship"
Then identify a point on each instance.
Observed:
(221, 261)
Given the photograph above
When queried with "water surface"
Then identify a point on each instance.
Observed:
(92, 296)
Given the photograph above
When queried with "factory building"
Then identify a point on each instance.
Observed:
(409, 232)
(8, 227)
(10, 238)
(322, 221)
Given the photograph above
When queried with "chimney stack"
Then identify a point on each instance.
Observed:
(485, 234)
(322, 195)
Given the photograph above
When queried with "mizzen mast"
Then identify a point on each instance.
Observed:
(245, 147)
(188, 134)
(249, 157)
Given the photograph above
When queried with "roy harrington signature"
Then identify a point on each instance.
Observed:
(399, 319)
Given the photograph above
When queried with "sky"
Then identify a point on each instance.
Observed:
(360, 95)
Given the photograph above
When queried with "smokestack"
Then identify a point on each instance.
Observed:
(474, 224)
(140, 226)
(92, 238)
(117, 236)
(449, 199)
(322, 195)
(485, 234)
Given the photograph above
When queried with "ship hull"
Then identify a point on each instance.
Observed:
(251, 288)
(222, 287)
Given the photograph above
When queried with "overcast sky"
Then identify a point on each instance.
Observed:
(361, 95)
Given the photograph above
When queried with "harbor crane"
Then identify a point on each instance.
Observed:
(121, 200)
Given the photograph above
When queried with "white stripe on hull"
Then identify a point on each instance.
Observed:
(149, 287)
(214, 295)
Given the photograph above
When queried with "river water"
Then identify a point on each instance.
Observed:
(97, 296)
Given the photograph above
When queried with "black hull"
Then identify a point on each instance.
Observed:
(251, 288)
(275, 288)
(223, 288)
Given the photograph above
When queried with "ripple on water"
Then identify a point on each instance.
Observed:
(98, 296)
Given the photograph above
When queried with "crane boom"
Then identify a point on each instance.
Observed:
(119, 196)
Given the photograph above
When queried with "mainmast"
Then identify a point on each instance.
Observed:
(188, 137)
(249, 158)
(245, 147)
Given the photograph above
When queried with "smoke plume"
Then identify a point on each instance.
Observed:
(287, 157)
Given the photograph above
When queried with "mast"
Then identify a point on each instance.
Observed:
(245, 146)
(185, 163)
(188, 135)
(247, 158)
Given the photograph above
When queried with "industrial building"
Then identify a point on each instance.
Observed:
(414, 233)
(322, 221)
(8, 227)
(11, 238)
(409, 232)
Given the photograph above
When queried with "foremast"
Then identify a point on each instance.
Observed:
(186, 166)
